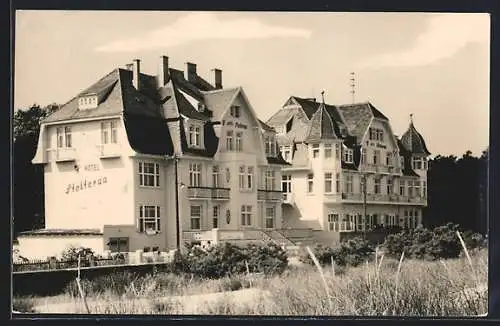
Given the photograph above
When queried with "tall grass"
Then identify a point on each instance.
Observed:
(383, 288)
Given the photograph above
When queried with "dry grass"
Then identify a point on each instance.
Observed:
(382, 288)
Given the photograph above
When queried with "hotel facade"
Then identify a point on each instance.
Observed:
(346, 163)
(140, 162)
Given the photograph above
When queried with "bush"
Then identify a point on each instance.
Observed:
(350, 253)
(440, 243)
(227, 259)
(72, 254)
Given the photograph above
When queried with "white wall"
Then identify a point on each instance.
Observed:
(41, 247)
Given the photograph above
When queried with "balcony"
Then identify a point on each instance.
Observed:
(287, 198)
(110, 150)
(208, 193)
(376, 198)
(64, 154)
(269, 195)
(375, 168)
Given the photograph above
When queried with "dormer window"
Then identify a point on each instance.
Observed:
(270, 146)
(194, 136)
(348, 155)
(87, 102)
(235, 111)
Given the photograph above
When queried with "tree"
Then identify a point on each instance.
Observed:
(28, 178)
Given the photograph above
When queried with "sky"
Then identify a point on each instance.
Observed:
(434, 66)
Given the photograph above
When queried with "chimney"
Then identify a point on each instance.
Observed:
(190, 73)
(136, 72)
(162, 71)
(216, 78)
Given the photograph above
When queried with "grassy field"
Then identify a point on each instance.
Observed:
(383, 288)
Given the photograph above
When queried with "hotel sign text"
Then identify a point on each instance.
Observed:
(85, 184)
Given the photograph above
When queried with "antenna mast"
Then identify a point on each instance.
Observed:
(353, 86)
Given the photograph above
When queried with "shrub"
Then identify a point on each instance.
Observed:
(227, 259)
(440, 243)
(349, 253)
(72, 254)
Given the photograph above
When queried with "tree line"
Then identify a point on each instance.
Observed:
(457, 189)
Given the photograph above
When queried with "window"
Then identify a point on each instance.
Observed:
(360, 223)
(195, 175)
(250, 177)
(239, 144)
(195, 213)
(416, 214)
(337, 182)
(389, 186)
(348, 223)
(215, 216)
(388, 159)
(229, 141)
(149, 219)
(328, 182)
(60, 137)
(104, 133)
(108, 132)
(410, 188)
(376, 186)
(425, 163)
(363, 156)
(215, 176)
(242, 177)
(328, 150)
(269, 179)
(376, 157)
(194, 136)
(310, 183)
(235, 111)
(333, 222)
(380, 135)
(348, 155)
(417, 163)
(114, 138)
(246, 215)
(118, 244)
(348, 183)
(67, 136)
(406, 218)
(286, 152)
(402, 161)
(417, 188)
(270, 146)
(149, 174)
(270, 214)
(315, 150)
(337, 151)
(286, 183)
(424, 189)
(376, 134)
(401, 187)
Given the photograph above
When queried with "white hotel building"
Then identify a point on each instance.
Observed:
(151, 162)
(332, 151)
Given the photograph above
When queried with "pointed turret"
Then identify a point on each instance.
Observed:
(413, 141)
(321, 125)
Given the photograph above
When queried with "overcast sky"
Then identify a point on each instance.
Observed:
(435, 66)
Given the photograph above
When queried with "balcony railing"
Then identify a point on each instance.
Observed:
(269, 195)
(208, 193)
(110, 150)
(394, 198)
(376, 168)
(65, 154)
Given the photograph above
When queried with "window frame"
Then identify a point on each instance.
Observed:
(328, 150)
(270, 218)
(238, 146)
(193, 218)
(328, 186)
(310, 183)
(229, 140)
(195, 175)
(246, 215)
(143, 219)
(145, 174)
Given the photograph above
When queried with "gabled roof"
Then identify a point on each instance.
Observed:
(321, 126)
(357, 118)
(219, 100)
(414, 142)
(265, 126)
(281, 116)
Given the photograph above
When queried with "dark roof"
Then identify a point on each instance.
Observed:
(414, 142)
(321, 126)
(376, 113)
(357, 118)
(49, 232)
(211, 141)
(310, 106)
(407, 169)
(148, 135)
